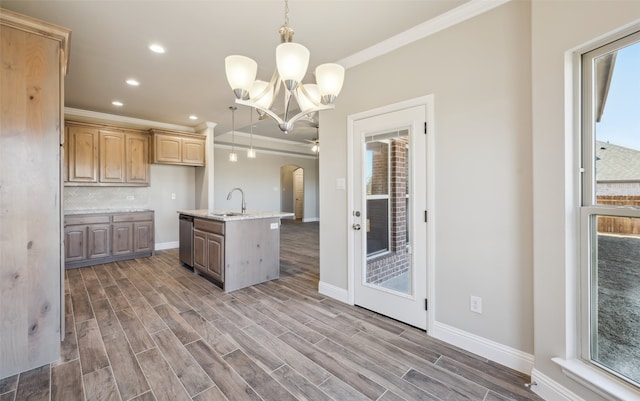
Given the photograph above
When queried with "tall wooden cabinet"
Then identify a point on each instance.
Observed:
(32, 67)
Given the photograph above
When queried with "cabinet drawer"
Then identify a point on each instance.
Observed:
(124, 217)
(209, 226)
(93, 219)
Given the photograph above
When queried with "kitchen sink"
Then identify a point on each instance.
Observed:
(225, 214)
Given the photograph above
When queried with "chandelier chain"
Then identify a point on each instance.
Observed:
(286, 12)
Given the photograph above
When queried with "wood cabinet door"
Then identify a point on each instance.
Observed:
(137, 158)
(200, 260)
(112, 163)
(82, 149)
(99, 244)
(143, 236)
(122, 238)
(215, 251)
(75, 243)
(193, 151)
(167, 149)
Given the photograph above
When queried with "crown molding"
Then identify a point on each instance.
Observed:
(457, 15)
(127, 122)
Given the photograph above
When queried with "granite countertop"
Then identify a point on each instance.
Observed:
(104, 211)
(231, 215)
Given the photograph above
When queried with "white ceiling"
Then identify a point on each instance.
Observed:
(109, 43)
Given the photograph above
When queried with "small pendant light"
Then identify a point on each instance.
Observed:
(251, 152)
(233, 156)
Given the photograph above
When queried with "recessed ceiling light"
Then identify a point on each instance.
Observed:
(133, 82)
(117, 103)
(192, 117)
(156, 48)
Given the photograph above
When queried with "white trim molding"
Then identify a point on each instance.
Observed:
(167, 245)
(459, 14)
(310, 219)
(505, 355)
(597, 381)
(551, 390)
(128, 122)
(330, 290)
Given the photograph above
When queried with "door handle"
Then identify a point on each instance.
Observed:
(356, 227)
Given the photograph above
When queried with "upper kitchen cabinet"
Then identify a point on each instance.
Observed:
(81, 149)
(106, 156)
(33, 62)
(169, 147)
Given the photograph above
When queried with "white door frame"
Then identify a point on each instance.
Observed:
(427, 101)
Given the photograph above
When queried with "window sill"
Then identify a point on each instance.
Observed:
(597, 381)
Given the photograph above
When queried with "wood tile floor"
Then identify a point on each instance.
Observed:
(150, 329)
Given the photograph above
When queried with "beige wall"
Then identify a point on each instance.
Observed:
(259, 178)
(559, 28)
(479, 73)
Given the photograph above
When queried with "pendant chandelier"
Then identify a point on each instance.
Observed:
(292, 60)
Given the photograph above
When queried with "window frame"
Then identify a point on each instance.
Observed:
(589, 208)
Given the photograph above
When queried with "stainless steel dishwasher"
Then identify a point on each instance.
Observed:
(186, 239)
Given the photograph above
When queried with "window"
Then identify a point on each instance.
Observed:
(610, 208)
(377, 181)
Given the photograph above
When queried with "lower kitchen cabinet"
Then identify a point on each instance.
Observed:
(237, 253)
(122, 239)
(106, 237)
(208, 249)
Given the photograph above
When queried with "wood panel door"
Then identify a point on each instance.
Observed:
(75, 243)
(200, 260)
(168, 149)
(143, 237)
(99, 244)
(32, 63)
(122, 238)
(193, 151)
(112, 162)
(137, 158)
(82, 149)
(215, 252)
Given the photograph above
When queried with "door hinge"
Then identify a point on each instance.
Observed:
(426, 304)
(425, 216)
(425, 128)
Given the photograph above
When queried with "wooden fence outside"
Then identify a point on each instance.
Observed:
(619, 225)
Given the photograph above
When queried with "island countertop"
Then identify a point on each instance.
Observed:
(232, 215)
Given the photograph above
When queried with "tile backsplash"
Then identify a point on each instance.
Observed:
(98, 198)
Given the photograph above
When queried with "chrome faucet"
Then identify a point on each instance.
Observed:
(244, 204)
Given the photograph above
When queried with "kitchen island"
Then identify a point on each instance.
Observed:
(234, 249)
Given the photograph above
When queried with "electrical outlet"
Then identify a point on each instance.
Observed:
(475, 304)
(173, 195)
(130, 197)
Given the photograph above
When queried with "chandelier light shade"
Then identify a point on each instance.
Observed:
(308, 97)
(292, 61)
(241, 72)
(330, 78)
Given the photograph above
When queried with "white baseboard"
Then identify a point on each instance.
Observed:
(310, 219)
(511, 357)
(167, 245)
(337, 293)
(551, 390)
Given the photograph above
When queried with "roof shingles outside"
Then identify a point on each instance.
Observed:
(616, 163)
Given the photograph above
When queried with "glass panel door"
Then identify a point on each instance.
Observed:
(387, 212)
